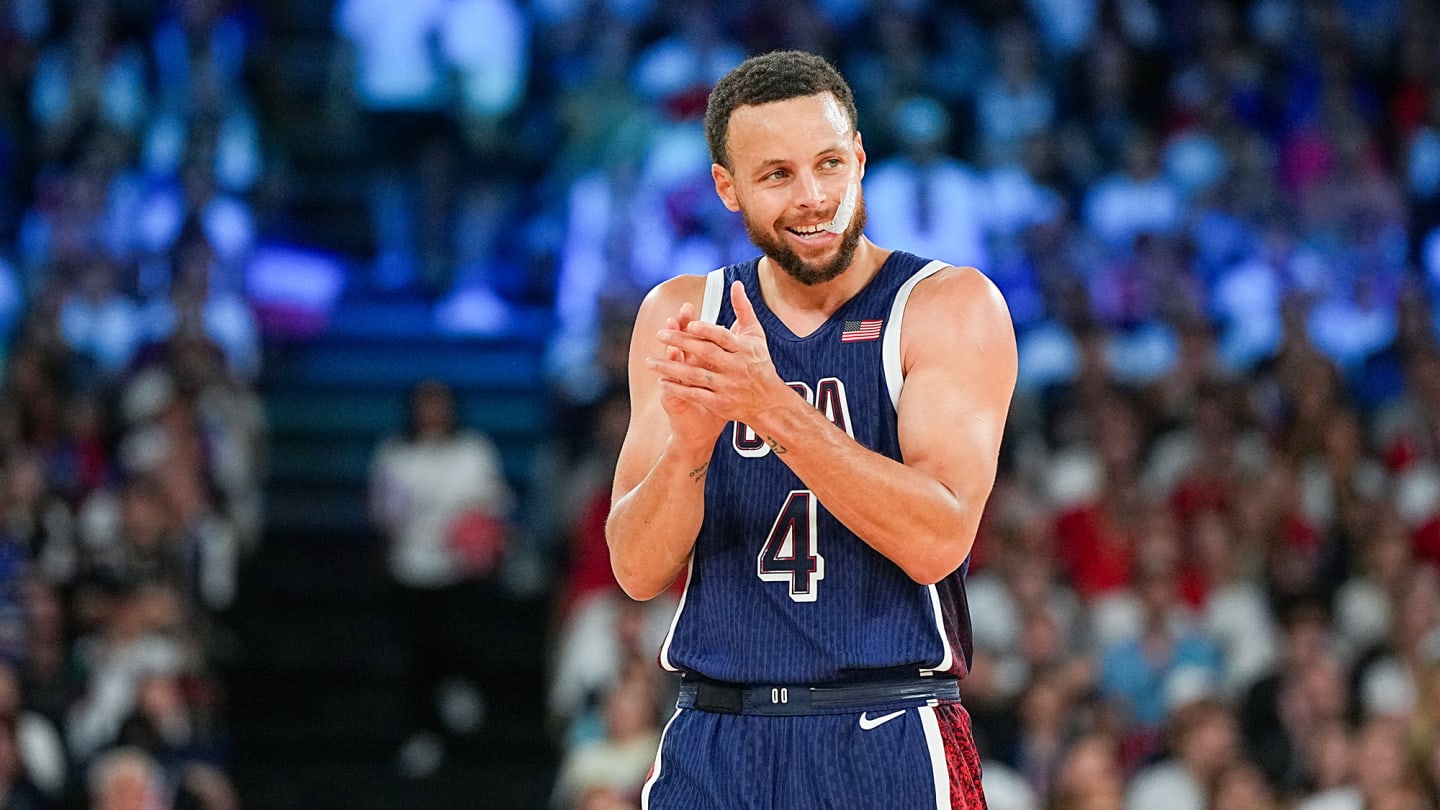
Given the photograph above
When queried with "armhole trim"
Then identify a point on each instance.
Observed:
(890, 350)
(714, 295)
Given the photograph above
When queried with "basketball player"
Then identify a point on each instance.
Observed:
(813, 437)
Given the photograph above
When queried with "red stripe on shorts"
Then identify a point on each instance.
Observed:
(963, 760)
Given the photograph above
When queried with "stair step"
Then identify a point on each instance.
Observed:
(371, 784)
(312, 564)
(307, 458)
(395, 317)
(338, 469)
(344, 410)
(319, 507)
(397, 364)
(337, 654)
(301, 20)
(347, 728)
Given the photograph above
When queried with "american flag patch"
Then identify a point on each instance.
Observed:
(861, 330)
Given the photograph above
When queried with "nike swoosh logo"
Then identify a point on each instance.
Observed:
(867, 722)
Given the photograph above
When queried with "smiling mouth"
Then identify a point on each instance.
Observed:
(810, 231)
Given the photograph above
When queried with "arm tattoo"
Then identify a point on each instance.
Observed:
(698, 474)
(776, 446)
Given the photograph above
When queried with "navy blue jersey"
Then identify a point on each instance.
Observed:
(778, 590)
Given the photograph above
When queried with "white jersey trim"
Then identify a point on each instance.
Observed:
(939, 766)
(655, 769)
(949, 658)
(890, 351)
(714, 295)
(675, 620)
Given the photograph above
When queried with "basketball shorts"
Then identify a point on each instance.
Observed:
(916, 758)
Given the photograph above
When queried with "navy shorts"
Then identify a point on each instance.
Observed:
(918, 758)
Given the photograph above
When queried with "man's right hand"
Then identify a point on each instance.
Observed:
(692, 426)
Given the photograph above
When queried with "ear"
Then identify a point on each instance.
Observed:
(725, 186)
(859, 153)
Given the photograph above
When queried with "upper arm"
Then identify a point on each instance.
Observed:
(649, 428)
(959, 357)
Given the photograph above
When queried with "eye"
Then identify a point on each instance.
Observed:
(778, 174)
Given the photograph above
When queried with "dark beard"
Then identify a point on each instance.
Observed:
(799, 269)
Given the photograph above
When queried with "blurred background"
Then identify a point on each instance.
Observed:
(313, 318)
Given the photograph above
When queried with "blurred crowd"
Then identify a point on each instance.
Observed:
(131, 441)
(1209, 575)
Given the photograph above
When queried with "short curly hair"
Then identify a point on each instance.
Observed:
(774, 76)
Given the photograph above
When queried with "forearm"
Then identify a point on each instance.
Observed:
(908, 516)
(652, 527)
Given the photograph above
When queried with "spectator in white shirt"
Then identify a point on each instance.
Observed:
(439, 498)
(924, 197)
(390, 52)
(1137, 199)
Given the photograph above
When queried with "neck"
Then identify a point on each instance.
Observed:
(786, 296)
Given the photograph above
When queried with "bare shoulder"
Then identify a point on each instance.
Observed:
(958, 345)
(665, 298)
(959, 302)
(664, 301)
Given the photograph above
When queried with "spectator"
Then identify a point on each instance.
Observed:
(441, 502)
(139, 632)
(1234, 608)
(103, 593)
(1203, 741)
(1148, 673)
(1090, 775)
(923, 195)
(17, 789)
(398, 81)
(622, 758)
(39, 525)
(493, 68)
(1241, 785)
(167, 725)
(33, 754)
(1389, 680)
(1364, 616)
(1136, 200)
(1015, 102)
(1380, 774)
(580, 466)
(194, 305)
(1048, 725)
(596, 647)
(126, 779)
(1286, 709)
(138, 541)
(91, 77)
(99, 320)
(200, 49)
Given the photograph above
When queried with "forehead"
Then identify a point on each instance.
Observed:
(793, 129)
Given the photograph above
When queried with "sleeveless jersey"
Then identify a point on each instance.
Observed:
(779, 590)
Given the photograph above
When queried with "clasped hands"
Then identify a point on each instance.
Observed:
(712, 374)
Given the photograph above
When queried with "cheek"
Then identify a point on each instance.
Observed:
(763, 206)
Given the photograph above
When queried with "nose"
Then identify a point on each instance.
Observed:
(809, 191)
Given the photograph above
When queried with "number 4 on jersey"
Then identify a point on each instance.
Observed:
(791, 553)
